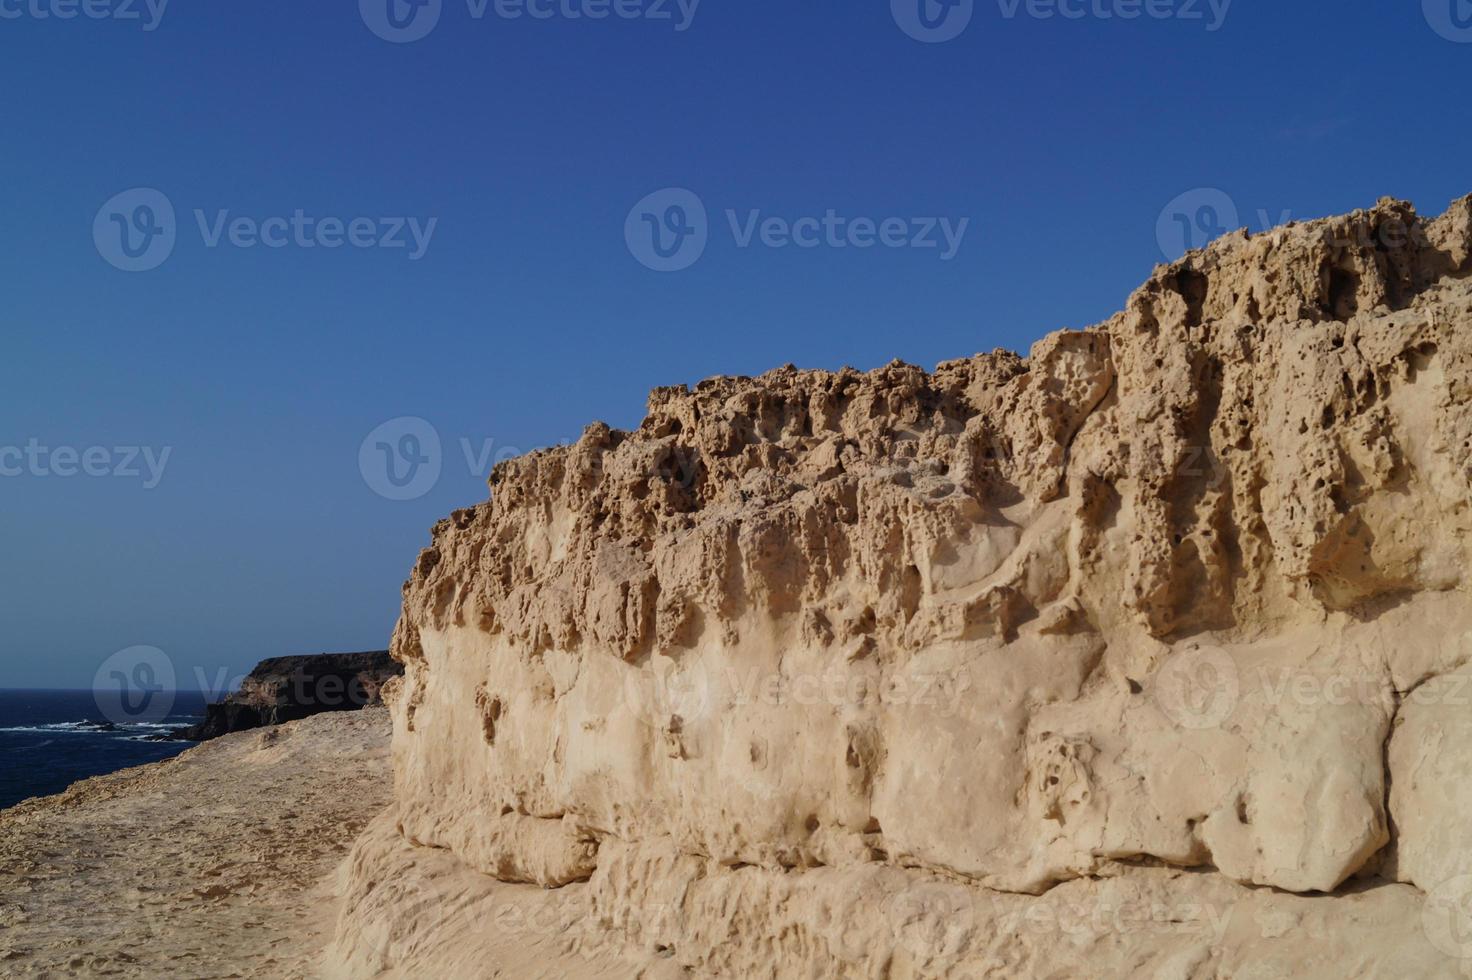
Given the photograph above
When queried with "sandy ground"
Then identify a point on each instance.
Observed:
(218, 863)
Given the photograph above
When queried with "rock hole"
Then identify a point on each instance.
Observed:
(1344, 284)
(1193, 287)
(491, 710)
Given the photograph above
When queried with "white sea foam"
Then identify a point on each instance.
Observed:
(91, 727)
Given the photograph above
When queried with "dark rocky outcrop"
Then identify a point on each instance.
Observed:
(286, 689)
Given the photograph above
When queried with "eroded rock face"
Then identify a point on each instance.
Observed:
(284, 689)
(1154, 594)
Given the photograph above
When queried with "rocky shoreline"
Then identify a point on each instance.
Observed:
(285, 689)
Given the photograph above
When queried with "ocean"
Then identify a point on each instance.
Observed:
(51, 739)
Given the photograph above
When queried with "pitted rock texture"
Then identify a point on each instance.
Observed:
(1159, 594)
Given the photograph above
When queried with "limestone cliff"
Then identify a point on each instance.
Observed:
(1184, 590)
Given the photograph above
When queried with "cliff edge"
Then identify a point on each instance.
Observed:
(284, 689)
(867, 674)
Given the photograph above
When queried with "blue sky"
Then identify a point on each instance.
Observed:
(1059, 141)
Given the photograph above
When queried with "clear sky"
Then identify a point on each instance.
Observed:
(525, 311)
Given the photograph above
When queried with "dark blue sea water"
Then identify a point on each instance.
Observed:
(50, 739)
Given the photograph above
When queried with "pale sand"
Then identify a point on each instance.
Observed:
(218, 863)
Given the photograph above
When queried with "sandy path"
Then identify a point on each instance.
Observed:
(218, 863)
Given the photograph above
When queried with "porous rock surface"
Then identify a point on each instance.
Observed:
(836, 671)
